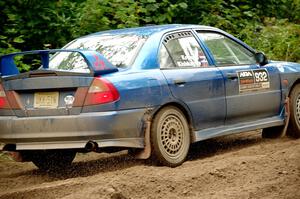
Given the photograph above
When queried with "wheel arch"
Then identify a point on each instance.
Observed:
(293, 86)
(148, 120)
(185, 110)
(293, 128)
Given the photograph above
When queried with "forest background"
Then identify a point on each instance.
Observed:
(270, 26)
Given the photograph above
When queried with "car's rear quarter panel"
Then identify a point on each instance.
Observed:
(120, 123)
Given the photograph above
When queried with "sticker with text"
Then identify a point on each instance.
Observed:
(253, 80)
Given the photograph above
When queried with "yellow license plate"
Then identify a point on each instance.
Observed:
(46, 100)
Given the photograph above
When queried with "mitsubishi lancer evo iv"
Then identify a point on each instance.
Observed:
(151, 90)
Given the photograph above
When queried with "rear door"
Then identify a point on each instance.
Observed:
(192, 80)
(252, 92)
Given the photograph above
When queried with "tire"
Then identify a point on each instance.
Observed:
(170, 137)
(52, 160)
(272, 132)
(293, 129)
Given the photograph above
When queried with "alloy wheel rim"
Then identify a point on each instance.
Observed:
(298, 109)
(171, 136)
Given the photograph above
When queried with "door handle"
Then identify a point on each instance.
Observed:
(179, 81)
(232, 76)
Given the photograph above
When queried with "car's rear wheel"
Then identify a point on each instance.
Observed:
(293, 129)
(52, 159)
(170, 137)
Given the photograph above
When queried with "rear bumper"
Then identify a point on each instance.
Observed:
(109, 129)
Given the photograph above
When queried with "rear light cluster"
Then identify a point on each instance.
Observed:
(101, 91)
(3, 99)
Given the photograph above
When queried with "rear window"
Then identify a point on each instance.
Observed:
(120, 50)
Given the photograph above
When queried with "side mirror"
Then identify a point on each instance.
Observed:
(261, 58)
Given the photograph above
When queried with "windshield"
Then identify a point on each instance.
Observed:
(120, 50)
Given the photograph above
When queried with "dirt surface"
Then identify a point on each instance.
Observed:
(240, 166)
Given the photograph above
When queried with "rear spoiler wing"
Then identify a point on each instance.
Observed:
(96, 62)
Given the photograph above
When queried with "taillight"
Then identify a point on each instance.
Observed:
(3, 99)
(101, 91)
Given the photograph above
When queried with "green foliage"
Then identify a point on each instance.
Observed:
(112, 14)
(29, 25)
(271, 26)
(50, 22)
(279, 38)
(230, 15)
(6, 47)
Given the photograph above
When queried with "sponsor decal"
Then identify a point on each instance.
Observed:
(253, 80)
(69, 100)
(98, 63)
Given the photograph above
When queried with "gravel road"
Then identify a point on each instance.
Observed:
(239, 166)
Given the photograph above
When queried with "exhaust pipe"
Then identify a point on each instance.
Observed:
(91, 146)
(16, 156)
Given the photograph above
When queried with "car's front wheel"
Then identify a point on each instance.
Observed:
(52, 159)
(294, 124)
(170, 137)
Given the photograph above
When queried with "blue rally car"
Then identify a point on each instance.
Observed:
(152, 90)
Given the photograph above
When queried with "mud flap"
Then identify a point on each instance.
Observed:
(146, 152)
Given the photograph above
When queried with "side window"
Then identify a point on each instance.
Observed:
(226, 51)
(181, 50)
(164, 58)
